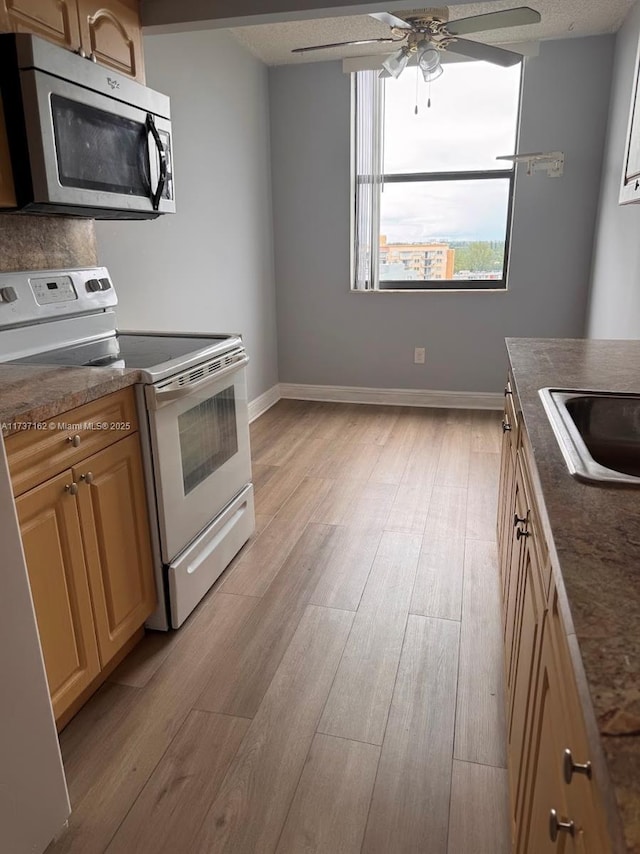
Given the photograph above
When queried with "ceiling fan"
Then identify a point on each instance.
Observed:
(425, 33)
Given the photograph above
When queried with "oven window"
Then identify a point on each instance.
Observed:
(208, 437)
(97, 150)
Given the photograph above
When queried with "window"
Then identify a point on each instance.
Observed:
(432, 203)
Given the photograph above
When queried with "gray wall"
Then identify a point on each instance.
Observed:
(328, 335)
(615, 297)
(209, 267)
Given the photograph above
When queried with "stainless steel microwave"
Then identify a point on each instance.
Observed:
(83, 140)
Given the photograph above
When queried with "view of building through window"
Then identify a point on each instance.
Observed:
(445, 203)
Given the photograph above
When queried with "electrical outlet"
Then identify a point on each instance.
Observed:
(418, 356)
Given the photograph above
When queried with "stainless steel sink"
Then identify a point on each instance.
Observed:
(598, 433)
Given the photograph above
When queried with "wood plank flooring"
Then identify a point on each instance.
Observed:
(340, 688)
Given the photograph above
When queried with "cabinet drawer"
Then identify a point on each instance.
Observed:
(36, 455)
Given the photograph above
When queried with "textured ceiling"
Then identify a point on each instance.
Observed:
(272, 43)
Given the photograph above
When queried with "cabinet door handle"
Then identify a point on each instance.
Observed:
(88, 477)
(518, 521)
(506, 427)
(520, 533)
(71, 488)
(74, 440)
(507, 391)
(556, 826)
(570, 767)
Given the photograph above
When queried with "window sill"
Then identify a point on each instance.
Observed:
(431, 291)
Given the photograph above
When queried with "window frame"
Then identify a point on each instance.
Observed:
(443, 285)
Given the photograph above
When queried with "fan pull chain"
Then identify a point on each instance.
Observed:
(417, 85)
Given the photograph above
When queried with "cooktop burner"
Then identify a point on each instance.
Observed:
(126, 350)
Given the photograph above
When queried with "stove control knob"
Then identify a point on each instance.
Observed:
(93, 285)
(105, 284)
(8, 294)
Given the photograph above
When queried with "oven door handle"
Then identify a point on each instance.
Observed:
(157, 397)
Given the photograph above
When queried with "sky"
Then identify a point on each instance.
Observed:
(472, 119)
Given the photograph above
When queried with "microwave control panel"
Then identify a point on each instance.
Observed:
(53, 289)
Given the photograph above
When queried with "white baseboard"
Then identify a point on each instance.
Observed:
(393, 396)
(259, 405)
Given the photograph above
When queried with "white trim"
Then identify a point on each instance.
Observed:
(393, 396)
(260, 404)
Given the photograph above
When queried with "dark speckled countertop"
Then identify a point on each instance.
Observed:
(594, 533)
(32, 393)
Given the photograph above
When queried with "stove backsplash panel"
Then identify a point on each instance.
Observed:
(46, 243)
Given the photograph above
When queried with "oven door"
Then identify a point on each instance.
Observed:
(200, 440)
(90, 152)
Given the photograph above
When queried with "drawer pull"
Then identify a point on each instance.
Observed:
(74, 440)
(570, 767)
(518, 521)
(556, 826)
(72, 488)
(520, 533)
(88, 477)
(506, 427)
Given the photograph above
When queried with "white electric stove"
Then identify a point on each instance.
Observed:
(193, 408)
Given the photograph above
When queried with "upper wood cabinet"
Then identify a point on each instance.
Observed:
(55, 20)
(109, 31)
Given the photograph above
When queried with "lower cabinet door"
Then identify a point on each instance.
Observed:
(115, 527)
(546, 789)
(52, 543)
(526, 644)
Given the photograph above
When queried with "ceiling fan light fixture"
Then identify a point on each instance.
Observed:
(430, 76)
(397, 62)
(429, 64)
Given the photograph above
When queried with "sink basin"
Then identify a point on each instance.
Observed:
(598, 433)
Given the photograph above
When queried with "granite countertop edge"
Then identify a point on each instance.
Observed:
(32, 394)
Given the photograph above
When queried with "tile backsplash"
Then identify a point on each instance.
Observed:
(46, 243)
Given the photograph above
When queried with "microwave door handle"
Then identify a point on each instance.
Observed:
(162, 179)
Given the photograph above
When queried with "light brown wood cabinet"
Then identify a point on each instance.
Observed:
(85, 534)
(52, 542)
(109, 31)
(115, 530)
(544, 717)
(54, 20)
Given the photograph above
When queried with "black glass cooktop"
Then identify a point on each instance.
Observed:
(130, 351)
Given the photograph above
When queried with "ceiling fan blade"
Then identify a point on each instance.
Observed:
(341, 44)
(494, 21)
(391, 20)
(485, 52)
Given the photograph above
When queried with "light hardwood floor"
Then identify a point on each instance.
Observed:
(340, 689)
